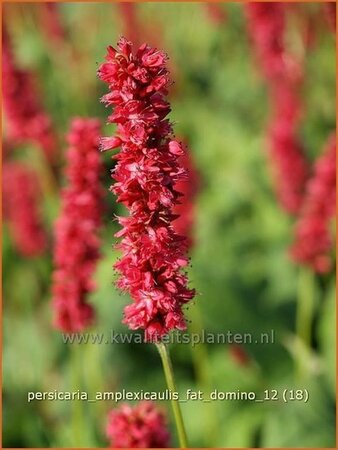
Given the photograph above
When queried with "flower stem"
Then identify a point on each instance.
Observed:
(305, 310)
(169, 376)
(202, 370)
(77, 417)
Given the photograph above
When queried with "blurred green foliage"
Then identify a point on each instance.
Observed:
(240, 266)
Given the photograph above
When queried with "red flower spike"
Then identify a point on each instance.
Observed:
(266, 23)
(146, 174)
(285, 151)
(284, 75)
(313, 241)
(76, 231)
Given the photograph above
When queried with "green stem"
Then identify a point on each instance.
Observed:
(204, 382)
(169, 376)
(305, 310)
(77, 418)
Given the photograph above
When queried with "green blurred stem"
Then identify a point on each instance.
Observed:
(202, 371)
(169, 376)
(77, 413)
(305, 310)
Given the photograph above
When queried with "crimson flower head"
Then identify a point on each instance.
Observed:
(141, 426)
(145, 175)
(76, 231)
(313, 241)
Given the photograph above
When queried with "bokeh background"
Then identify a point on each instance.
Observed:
(240, 262)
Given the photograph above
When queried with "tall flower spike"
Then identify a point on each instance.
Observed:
(266, 25)
(21, 197)
(146, 173)
(76, 231)
(284, 75)
(313, 241)
(141, 426)
(285, 150)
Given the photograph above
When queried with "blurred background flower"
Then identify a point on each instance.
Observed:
(76, 250)
(141, 426)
